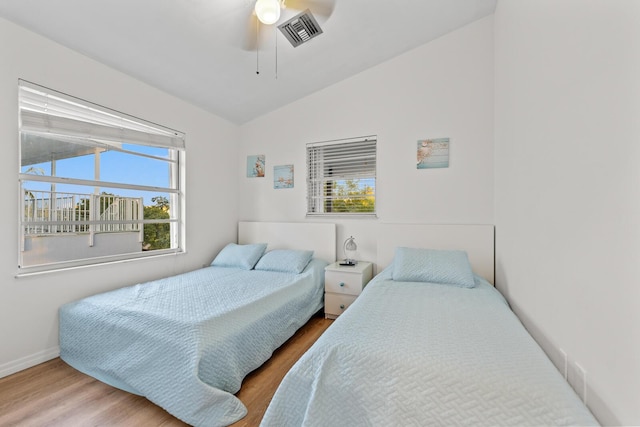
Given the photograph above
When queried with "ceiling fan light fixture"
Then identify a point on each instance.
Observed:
(268, 11)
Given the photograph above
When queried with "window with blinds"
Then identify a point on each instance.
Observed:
(341, 177)
(96, 185)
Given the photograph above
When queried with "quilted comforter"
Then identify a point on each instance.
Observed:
(423, 354)
(186, 342)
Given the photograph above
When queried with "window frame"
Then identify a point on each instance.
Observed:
(116, 126)
(359, 158)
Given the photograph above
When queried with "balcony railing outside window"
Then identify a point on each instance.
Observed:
(53, 213)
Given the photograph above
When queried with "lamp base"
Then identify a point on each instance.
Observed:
(348, 263)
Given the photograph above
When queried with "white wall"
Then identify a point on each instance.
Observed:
(441, 89)
(28, 306)
(567, 188)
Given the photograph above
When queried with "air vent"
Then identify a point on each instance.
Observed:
(301, 28)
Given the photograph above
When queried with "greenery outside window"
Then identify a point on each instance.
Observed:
(96, 185)
(341, 177)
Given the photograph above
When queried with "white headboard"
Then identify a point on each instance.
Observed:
(318, 237)
(476, 240)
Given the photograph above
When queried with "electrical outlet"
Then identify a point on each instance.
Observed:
(565, 365)
(581, 383)
(578, 380)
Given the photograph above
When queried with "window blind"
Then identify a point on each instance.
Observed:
(44, 111)
(341, 176)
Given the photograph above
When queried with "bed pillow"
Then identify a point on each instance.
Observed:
(239, 256)
(285, 260)
(431, 265)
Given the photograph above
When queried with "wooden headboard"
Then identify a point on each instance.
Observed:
(318, 237)
(476, 240)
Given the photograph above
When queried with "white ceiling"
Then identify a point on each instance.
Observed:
(197, 49)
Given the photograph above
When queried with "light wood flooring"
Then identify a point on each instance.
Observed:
(54, 394)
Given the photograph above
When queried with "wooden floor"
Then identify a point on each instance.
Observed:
(54, 394)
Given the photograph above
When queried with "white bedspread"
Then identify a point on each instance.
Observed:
(421, 354)
(186, 342)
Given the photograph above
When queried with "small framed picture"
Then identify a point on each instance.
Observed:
(433, 153)
(283, 177)
(255, 166)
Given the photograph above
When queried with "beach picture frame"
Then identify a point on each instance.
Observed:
(282, 177)
(255, 166)
(432, 153)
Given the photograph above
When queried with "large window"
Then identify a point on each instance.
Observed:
(341, 177)
(96, 185)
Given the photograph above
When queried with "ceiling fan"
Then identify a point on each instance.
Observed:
(295, 26)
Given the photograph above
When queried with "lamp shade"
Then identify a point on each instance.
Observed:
(350, 249)
(268, 11)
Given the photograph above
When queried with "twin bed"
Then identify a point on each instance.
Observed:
(429, 342)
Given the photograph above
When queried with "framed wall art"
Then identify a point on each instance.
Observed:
(283, 176)
(255, 166)
(433, 153)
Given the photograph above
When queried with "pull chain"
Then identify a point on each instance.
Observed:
(276, 30)
(257, 46)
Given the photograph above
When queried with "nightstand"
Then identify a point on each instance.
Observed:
(342, 285)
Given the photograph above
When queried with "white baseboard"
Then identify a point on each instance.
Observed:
(18, 365)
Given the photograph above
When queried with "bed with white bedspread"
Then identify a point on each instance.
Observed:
(427, 342)
(186, 342)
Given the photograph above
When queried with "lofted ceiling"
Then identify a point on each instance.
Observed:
(202, 50)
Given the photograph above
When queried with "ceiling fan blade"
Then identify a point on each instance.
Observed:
(322, 8)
